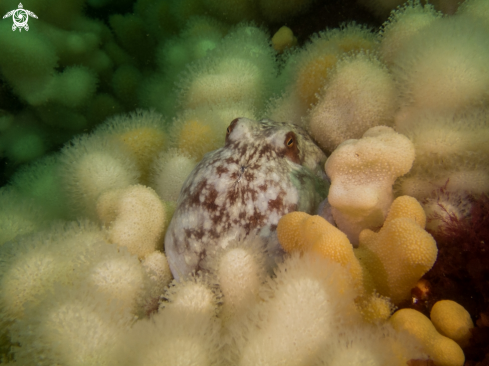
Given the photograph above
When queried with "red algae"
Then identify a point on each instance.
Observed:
(461, 272)
(477, 353)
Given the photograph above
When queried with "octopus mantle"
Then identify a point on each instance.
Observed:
(265, 170)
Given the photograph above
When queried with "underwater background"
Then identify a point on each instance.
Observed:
(106, 107)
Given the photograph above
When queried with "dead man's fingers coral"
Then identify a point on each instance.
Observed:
(300, 232)
(359, 94)
(452, 320)
(240, 270)
(362, 173)
(285, 329)
(390, 261)
(458, 83)
(141, 132)
(136, 218)
(442, 350)
(90, 165)
(401, 252)
(59, 327)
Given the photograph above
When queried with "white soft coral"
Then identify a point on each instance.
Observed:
(309, 298)
(362, 173)
(136, 218)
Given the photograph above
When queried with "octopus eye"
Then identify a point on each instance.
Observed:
(291, 148)
(231, 126)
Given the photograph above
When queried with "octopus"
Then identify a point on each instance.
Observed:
(265, 170)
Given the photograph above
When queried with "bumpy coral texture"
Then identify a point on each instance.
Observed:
(362, 173)
(401, 252)
(442, 350)
(298, 231)
(390, 261)
(452, 320)
(359, 94)
(135, 217)
(265, 170)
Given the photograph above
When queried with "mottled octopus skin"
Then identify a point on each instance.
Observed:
(265, 170)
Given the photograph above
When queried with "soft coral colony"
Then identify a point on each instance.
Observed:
(389, 211)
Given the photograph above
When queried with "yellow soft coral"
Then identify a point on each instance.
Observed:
(312, 77)
(442, 350)
(289, 230)
(408, 207)
(315, 63)
(452, 320)
(390, 261)
(333, 244)
(142, 133)
(299, 231)
(194, 133)
(375, 308)
(401, 252)
(145, 143)
(284, 38)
